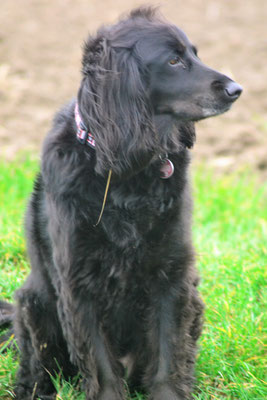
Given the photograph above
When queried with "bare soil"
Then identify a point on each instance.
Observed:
(40, 53)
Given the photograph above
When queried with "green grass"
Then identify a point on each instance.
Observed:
(230, 233)
(231, 236)
(16, 180)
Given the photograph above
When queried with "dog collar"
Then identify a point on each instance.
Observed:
(82, 134)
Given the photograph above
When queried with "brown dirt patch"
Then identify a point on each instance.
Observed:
(40, 52)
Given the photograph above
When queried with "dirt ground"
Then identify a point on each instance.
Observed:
(40, 52)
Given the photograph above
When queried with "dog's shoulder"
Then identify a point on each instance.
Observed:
(64, 161)
(63, 128)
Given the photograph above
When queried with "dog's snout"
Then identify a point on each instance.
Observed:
(228, 88)
(233, 90)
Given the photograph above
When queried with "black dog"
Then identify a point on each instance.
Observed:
(114, 290)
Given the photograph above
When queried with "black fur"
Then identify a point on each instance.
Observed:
(122, 294)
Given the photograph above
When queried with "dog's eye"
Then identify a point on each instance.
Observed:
(175, 61)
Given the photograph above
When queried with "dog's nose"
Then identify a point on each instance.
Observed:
(233, 90)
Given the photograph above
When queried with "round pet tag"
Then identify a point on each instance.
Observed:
(167, 169)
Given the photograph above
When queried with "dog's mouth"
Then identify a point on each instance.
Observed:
(200, 108)
(213, 111)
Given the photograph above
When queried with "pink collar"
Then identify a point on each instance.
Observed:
(83, 135)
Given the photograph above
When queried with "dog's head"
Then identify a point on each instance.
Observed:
(144, 87)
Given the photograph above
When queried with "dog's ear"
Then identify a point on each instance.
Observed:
(115, 107)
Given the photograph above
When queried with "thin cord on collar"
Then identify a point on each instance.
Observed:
(105, 197)
(84, 136)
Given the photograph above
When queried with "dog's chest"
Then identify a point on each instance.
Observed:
(137, 227)
(141, 207)
(144, 197)
(136, 217)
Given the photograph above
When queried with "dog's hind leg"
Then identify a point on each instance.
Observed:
(41, 344)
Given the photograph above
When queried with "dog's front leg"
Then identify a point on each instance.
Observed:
(78, 287)
(172, 344)
(87, 344)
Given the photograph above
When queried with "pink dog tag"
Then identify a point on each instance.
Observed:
(167, 169)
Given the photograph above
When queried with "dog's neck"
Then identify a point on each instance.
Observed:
(84, 136)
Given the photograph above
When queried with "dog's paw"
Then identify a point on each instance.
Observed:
(164, 392)
(111, 393)
(47, 397)
(25, 392)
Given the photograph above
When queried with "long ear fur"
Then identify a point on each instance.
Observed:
(114, 105)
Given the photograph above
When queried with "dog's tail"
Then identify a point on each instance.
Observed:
(7, 311)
